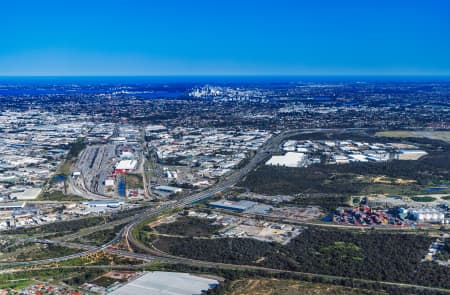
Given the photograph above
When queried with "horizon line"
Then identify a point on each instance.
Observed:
(238, 76)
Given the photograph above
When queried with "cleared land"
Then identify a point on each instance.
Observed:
(189, 227)
(290, 287)
(439, 135)
(64, 169)
(59, 196)
(35, 252)
(134, 181)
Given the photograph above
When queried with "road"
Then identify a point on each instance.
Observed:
(207, 264)
(264, 152)
(91, 165)
(212, 265)
(271, 145)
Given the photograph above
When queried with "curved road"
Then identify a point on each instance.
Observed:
(271, 145)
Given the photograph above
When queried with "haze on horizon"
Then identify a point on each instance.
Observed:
(174, 37)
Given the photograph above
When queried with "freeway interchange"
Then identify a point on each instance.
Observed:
(270, 146)
(148, 254)
(262, 154)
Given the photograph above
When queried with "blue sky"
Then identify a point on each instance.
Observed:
(245, 37)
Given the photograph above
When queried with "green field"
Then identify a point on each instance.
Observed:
(15, 284)
(134, 181)
(392, 189)
(189, 227)
(59, 196)
(30, 251)
(104, 282)
(44, 252)
(423, 199)
(72, 277)
(440, 135)
(101, 237)
(65, 167)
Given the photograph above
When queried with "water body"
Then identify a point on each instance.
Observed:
(58, 178)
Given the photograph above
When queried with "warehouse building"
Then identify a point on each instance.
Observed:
(167, 190)
(104, 203)
(167, 283)
(27, 194)
(240, 206)
(126, 166)
(11, 206)
(290, 159)
(410, 154)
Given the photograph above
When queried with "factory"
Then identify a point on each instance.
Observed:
(303, 153)
(104, 203)
(125, 166)
(199, 156)
(239, 206)
(27, 194)
(367, 216)
(11, 206)
(167, 190)
(30, 155)
(149, 129)
(409, 154)
(164, 283)
(429, 215)
(290, 159)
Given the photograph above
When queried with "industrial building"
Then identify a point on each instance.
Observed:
(240, 206)
(104, 203)
(155, 128)
(409, 154)
(302, 153)
(290, 159)
(170, 190)
(27, 194)
(165, 283)
(126, 166)
(429, 215)
(10, 206)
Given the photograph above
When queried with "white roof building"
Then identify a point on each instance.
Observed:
(28, 194)
(169, 189)
(290, 159)
(126, 165)
(167, 283)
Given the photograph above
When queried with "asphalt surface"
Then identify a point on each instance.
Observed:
(271, 145)
(263, 153)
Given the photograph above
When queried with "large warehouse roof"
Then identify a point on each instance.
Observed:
(290, 159)
(126, 165)
(242, 205)
(12, 205)
(167, 283)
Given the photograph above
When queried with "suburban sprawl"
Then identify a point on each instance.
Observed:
(225, 188)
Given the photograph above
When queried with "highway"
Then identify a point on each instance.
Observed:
(271, 145)
(126, 233)
(212, 265)
(197, 263)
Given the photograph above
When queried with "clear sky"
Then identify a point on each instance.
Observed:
(224, 37)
